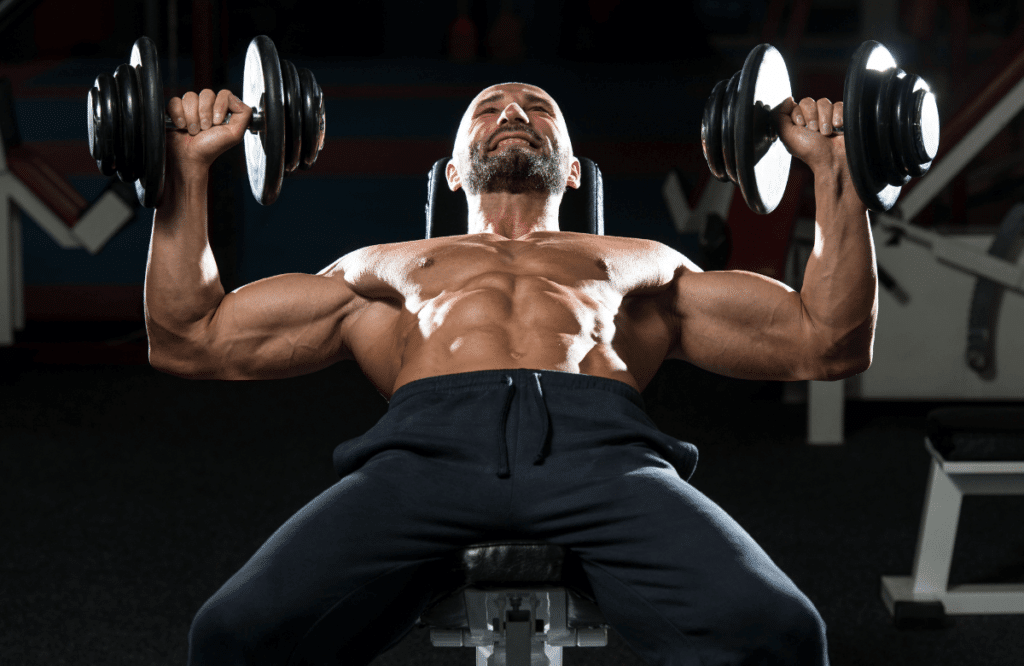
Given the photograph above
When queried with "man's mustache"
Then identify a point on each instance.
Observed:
(515, 130)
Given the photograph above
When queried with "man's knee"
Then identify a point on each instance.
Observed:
(224, 633)
(802, 633)
(781, 626)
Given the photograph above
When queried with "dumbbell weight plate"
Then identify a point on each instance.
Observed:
(916, 124)
(729, 102)
(263, 89)
(103, 123)
(293, 114)
(762, 161)
(128, 151)
(150, 185)
(861, 93)
(711, 132)
(314, 118)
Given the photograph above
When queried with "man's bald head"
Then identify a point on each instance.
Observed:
(513, 138)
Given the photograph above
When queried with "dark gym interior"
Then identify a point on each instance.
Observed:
(128, 496)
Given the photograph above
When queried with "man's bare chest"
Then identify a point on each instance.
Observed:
(603, 267)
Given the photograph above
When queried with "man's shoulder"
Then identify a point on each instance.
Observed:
(648, 250)
(645, 248)
(362, 255)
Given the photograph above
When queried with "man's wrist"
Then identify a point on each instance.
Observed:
(835, 182)
(183, 183)
(187, 176)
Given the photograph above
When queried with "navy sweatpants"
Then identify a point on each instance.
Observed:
(458, 459)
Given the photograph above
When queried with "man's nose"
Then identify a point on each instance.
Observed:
(512, 113)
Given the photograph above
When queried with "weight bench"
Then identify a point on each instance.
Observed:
(975, 451)
(518, 602)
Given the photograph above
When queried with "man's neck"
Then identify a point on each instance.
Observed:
(513, 215)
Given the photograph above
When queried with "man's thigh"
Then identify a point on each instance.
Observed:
(362, 555)
(675, 575)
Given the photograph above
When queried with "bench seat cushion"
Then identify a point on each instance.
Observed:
(977, 433)
(513, 564)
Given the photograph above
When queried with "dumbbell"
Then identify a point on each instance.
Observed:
(890, 119)
(127, 121)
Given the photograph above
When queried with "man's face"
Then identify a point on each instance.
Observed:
(512, 139)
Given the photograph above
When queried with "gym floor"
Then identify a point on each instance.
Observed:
(130, 496)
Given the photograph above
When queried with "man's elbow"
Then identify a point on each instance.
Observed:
(848, 354)
(171, 365)
(855, 366)
(178, 360)
(833, 367)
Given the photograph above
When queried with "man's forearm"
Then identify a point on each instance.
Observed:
(182, 281)
(840, 286)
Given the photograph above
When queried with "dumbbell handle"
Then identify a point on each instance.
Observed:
(774, 130)
(256, 125)
(835, 130)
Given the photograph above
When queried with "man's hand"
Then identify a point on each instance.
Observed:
(206, 137)
(806, 129)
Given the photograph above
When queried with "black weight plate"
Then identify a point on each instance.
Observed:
(139, 154)
(92, 119)
(104, 123)
(926, 126)
(916, 116)
(314, 118)
(150, 185)
(728, 125)
(890, 165)
(127, 163)
(711, 132)
(292, 116)
(263, 89)
(902, 118)
(762, 173)
(860, 90)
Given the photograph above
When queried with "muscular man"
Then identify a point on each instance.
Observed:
(513, 357)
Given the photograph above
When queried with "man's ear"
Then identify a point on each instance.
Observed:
(573, 180)
(451, 174)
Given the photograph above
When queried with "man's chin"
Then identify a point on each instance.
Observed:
(513, 169)
(514, 185)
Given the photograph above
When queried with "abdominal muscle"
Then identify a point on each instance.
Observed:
(526, 322)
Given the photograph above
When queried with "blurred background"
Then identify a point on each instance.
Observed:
(128, 496)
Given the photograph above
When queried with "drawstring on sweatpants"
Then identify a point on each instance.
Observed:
(503, 468)
(546, 422)
(540, 412)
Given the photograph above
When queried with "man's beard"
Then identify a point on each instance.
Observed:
(514, 170)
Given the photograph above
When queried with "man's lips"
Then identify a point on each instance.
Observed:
(504, 136)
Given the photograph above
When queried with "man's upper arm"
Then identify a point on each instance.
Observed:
(281, 326)
(746, 325)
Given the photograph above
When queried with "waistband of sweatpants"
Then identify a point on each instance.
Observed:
(550, 379)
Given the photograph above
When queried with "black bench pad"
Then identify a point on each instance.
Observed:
(977, 433)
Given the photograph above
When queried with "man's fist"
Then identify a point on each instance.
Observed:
(206, 137)
(806, 129)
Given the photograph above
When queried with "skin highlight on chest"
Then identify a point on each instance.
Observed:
(553, 300)
(421, 270)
